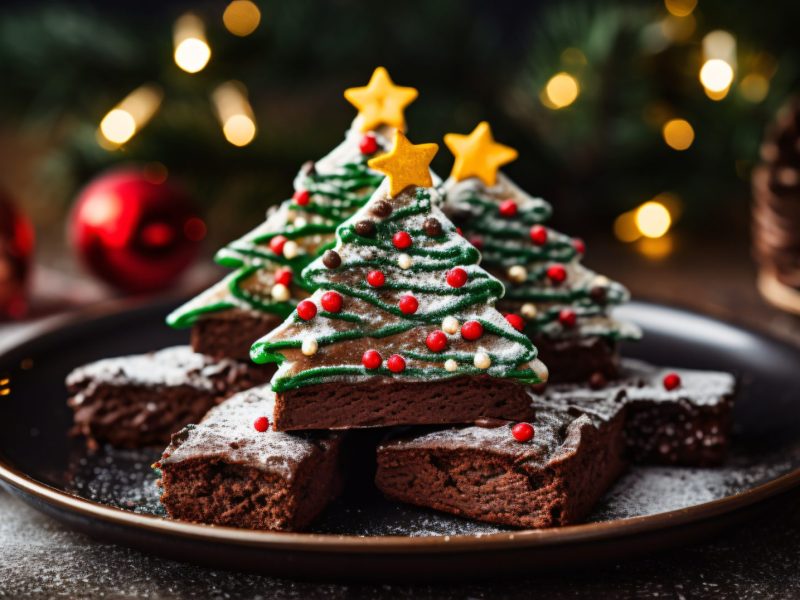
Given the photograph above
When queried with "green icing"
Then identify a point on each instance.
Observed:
(481, 288)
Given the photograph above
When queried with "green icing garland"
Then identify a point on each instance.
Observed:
(481, 288)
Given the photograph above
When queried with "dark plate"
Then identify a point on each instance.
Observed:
(111, 494)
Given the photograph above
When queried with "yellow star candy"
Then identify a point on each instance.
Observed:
(478, 155)
(381, 102)
(406, 164)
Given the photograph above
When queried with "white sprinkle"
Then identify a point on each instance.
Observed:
(450, 325)
(299, 222)
(517, 274)
(482, 360)
(280, 293)
(291, 249)
(404, 261)
(528, 310)
(310, 346)
(540, 369)
(450, 365)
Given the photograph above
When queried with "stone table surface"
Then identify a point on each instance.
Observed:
(39, 558)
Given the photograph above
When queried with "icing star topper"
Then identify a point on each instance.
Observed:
(406, 163)
(381, 102)
(478, 155)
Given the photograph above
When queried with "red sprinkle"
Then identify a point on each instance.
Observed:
(301, 197)
(331, 301)
(261, 424)
(408, 304)
(371, 359)
(284, 276)
(277, 243)
(476, 241)
(456, 277)
(306, 310)
(671, 381)
(471, 330)
(396, 363)
(508, 208)
(522, 432)
(459, 231)
(579, 245)
(376, 278)
(567, 317)
(515, 321)
(368, 144)
(401, 240)
(556, 273)
(539, 235)
(436, 341)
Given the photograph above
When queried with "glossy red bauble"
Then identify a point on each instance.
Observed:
(306, 310)
(368, 144)
(401, 240)
(671, 381)
(471, 330)
(396, 363)
(522, 432)
(16, 254)
(376, 278)
(371, 359)
(301, 197)
(436, 341)
(408, 304)
(538, 235)
(515, 321)
(284, 276)
(457, 277)
(135, 230)
(331, 301)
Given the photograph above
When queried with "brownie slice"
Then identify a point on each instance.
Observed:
(140, 400)
(389, 402)
(484, 473)
(576, 359)
(689, 425)
(231, 333)
(225, 472)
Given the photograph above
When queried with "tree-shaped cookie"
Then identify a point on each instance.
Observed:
(402, 328)
(265, 285)
(563, 306)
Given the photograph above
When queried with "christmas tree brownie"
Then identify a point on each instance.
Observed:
(265, 285)
(561, 305)
(402, 328)
(550, 472)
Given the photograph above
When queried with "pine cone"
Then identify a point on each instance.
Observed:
(776, 209)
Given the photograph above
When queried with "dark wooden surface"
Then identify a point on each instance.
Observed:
(40, 558)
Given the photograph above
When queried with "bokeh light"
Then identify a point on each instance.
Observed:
(239, 130)
(680, 8)
(678, 134)
(562, 90)
(625, 228)
(716, 76)
(235, 113)
(192, 51)
(122, 122)
(754, 87)
(118, 126)
(652, 219)
(241, 17)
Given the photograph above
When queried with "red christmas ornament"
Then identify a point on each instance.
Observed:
(261, 424)
(396, 363)
(508, 208)
(522, 432)
(671, 381)
(538, 235)
(368, 144)
(306, 310)
(579, 245)
(408, 304)
(331, 301)
(567, 317)
(436, 341)
(277, 243)
(16, 252)
(371, 359)
(284, 276)
(556, 273)
(456, 277)
(376, 278)
(515, 321)
(401, 240)
(135, 230)
(301, 197)
(471, 330)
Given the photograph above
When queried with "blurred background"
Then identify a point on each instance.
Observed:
(641, 122)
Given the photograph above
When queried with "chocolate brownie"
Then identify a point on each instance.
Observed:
(688, 425)
(140, 400)
(576, 359)
(484, 473)
(224, 471)
(386, 402)
(231, 333)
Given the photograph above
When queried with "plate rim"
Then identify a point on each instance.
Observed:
(354, 544)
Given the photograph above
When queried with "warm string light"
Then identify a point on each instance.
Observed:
(129, 116)
(241, 17)
(234, 113)
(680, 8)
(649, 226)
(560, 91)
(192, 51)
(678, 134)
(719, 66)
